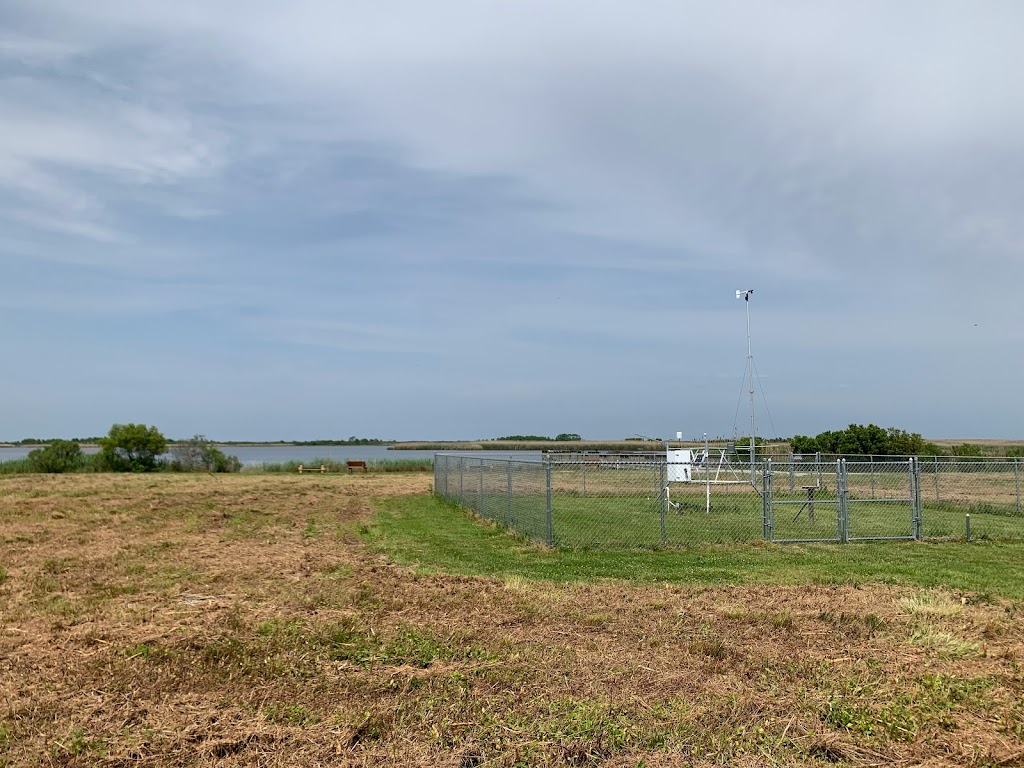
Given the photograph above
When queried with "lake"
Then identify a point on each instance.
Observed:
(252, 455)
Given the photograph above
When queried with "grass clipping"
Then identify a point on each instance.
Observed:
(200, 620)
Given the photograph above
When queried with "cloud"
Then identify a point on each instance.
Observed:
(550, 188)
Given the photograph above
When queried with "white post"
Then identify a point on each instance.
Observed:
(750, 366)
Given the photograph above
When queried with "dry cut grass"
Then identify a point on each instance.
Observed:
(239, 621)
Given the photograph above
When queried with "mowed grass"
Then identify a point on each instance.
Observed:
(434, 535)
(279, 620)
(617, 521)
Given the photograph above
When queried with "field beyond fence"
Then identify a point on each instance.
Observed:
(642, 500)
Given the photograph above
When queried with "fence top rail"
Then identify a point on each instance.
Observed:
(494, 459)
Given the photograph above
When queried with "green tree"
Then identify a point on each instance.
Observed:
(58, 456)
(568, 436)
(132, 448)
(201, 455)
(803, 444)
(870, 440)
(903, 443)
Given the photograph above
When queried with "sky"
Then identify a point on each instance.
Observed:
(460, 220)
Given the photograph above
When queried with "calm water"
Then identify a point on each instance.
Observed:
(251, 455)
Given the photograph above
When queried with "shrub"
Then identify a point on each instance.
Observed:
(201, 455)
(132, 448)
(858, 439)
(58, 456)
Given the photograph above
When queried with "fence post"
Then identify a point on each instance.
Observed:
(664, 499)
(872, 476)
(767, 510)
(584, 474)
(462, 473)
(843, 511)
(913, 507)
(921, 502)
(936, 478)
(1016, 479)
(480, 509)
(509, 512)
(792, 474)
(551, 528)
(817, 467)
(915, 499)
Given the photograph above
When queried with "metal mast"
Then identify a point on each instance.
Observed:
(745, 295)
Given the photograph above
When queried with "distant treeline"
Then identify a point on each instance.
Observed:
(49, 440)
(563, 436)
(528, 445)
(96, 441)
(349, 441)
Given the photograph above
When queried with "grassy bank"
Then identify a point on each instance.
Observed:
(86, 463)
(333, 465)
(243, 620)
(90, 464)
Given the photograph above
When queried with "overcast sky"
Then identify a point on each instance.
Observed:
(267, 220)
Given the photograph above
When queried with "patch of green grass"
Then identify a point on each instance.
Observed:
(935, 604)
(250, 522)
(712, 647)
(417, 647)
(145, 651)
(289, 714)
(895, 720)
(435, 536)
(78, 743)
(944, 643)
(278, 648)
(925, 703)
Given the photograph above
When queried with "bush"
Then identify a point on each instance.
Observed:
(201, 455)
(58, 456)
(870, 440)
(132, 448)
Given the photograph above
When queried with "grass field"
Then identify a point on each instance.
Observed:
(278, 620)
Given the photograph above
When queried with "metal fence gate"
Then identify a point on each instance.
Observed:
(882, 500)
(842, 501)
(802, 502)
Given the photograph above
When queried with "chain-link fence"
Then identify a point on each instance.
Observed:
(645, 500)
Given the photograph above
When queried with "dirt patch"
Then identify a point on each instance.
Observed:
(180, 620)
